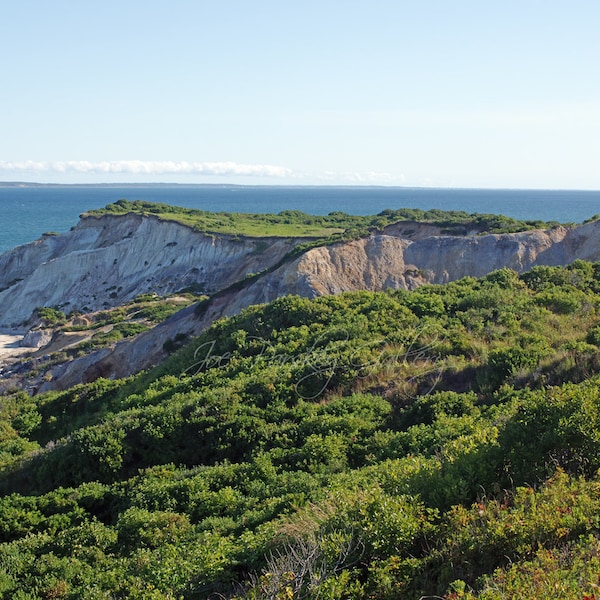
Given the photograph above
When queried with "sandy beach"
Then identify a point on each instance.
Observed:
(9, 346)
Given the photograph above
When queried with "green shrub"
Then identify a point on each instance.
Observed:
(51, 316)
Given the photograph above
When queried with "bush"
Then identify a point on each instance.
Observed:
(51, 316)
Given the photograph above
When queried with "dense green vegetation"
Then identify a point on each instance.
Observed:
(443, 442)
(336, 225)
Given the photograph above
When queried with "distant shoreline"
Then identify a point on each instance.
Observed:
(35, 184)
(173, 184)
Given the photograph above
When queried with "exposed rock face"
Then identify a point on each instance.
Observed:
(387, 261)
(109, 260)
(36, 338)
(400, 257)
(106, 261)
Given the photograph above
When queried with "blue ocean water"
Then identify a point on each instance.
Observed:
(27, 212)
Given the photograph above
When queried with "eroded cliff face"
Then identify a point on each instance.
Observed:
(387, 260)
(106, 261)
(400, 257)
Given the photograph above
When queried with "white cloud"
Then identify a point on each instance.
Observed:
(143, 167)
(140, 170)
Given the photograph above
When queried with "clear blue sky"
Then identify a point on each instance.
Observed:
(422, 93)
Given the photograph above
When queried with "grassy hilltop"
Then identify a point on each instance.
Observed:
(336, 225)
(443, 442)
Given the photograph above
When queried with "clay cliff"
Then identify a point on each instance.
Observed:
(106, 261)
(389, 260)
(111, 259)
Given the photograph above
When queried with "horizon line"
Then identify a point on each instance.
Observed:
(117, 184)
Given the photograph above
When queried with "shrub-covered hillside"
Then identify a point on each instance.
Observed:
(442, 442)
(331, 227)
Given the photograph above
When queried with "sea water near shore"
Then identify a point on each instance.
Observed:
(29, 210)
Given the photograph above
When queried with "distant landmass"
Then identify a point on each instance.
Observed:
(35, 184)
